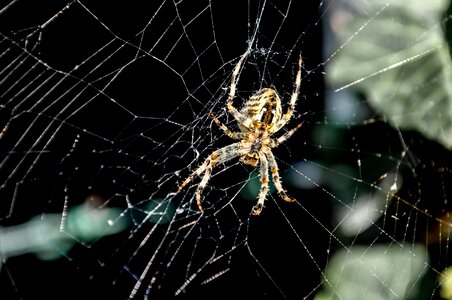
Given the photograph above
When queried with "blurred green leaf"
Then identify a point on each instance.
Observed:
(380, 272)
(46, 238)
(396, 54)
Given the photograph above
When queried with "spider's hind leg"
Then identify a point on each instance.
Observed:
(293, 100)
(239, 117)
(226, 130)
(286, 136)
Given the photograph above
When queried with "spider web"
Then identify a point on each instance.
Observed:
(105, 111)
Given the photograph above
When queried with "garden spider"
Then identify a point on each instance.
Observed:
(260, 118)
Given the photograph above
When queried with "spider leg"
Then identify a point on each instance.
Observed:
(257, 209)
(203, 182)
(285, 136)
(227, 131)
(234, 76)
(219, 156)
(293, 99)
(276, 179)
(231, 109)
(195, 173)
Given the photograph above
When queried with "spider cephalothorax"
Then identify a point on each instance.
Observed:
(260, 118)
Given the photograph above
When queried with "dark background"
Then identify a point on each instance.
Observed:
(163, 79)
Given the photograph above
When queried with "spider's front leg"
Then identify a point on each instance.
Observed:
(276, 178)
(257, 209)
(219, 156)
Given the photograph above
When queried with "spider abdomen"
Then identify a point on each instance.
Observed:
(263, 108)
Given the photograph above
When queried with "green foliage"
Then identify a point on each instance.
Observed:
(50, 237)
(395, 53)
(380, 272)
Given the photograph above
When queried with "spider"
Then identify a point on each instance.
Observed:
(259, 119)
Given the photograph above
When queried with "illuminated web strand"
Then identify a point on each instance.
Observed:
(393, 66)
(355, 34)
